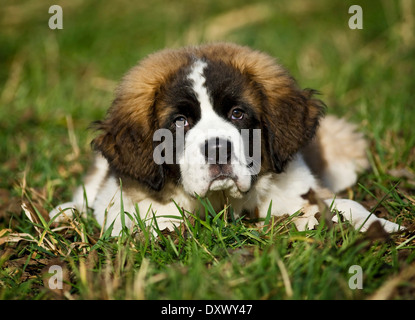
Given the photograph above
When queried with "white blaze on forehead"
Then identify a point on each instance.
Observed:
(196, 75)
(210, 124)
(209, 119)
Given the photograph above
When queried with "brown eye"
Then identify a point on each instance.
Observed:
(237, 114)
(181, 121)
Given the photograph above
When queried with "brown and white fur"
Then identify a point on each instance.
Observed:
(212, 92)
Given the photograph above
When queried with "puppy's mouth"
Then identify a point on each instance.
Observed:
(222, 182)
(223, 178)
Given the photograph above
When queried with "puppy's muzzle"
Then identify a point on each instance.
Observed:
(218, 154)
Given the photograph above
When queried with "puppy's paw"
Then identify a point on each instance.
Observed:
(388, 226)
(358, 216)
(62, 212)
(305, 222)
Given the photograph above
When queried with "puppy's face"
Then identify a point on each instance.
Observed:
(209, 118)
(210, 102)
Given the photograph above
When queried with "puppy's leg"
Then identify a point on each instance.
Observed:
(83, 197)
(358, 216)
(287, 190)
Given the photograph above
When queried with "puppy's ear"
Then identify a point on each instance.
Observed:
(128, 147)
(126, 138)
(291, 120)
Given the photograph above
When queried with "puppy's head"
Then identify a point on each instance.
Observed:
(232, 114)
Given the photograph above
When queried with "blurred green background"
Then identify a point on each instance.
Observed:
(53, 83)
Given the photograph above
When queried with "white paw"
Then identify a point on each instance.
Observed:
(358, 216)
(63, 212)
(305, 222)
(165, 223)
(390, 226)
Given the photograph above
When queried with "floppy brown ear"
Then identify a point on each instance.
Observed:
(291, 121)
(126, 138)
(128, 147)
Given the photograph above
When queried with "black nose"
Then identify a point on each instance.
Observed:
(217, 151)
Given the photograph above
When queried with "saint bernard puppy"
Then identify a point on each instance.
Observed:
(223, 122)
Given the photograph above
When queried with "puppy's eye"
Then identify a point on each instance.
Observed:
(237, 114)
(181, 121)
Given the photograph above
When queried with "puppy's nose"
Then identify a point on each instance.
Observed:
(217, 151)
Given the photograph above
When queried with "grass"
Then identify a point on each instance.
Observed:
(53, 83)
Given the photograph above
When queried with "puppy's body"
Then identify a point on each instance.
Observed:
(212, 95)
